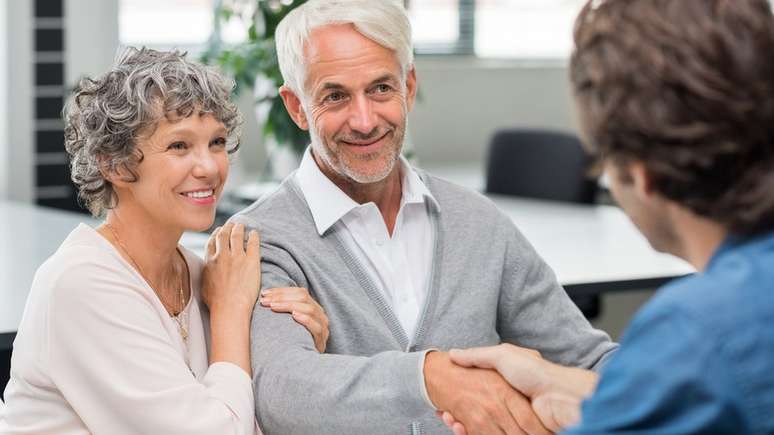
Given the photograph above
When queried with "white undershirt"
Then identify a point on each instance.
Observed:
(399, 265)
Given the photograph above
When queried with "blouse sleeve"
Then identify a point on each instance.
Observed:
(113, 362)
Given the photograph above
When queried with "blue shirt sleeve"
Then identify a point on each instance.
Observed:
(668, 377)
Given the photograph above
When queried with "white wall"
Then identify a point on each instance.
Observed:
(463, 102)
(91, 37)
(16, 161)
(4, 85)
(91, 29)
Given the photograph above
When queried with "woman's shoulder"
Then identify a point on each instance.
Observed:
(84, 247)
(84, 261)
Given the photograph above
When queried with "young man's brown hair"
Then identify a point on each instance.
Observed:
(694, 103)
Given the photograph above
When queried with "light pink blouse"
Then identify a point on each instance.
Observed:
(97, 352)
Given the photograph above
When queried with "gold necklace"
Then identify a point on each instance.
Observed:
(176, 316)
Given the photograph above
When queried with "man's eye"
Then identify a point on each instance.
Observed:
(383, 88)
(334, 97)
(177, 146)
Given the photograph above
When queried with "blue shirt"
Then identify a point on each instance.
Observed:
(698, 358)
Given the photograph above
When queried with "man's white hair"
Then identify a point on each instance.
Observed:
(382, 21)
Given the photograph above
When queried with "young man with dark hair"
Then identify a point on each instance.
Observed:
(676, 98)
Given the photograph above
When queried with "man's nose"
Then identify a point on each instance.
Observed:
(362, 117)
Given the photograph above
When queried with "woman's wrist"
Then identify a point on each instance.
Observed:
(230, 336)
(231, 311)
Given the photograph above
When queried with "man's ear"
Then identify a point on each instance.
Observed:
(642, 180)
(294, 107)
(411, 88)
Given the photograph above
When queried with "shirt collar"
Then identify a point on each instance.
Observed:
(329, 204)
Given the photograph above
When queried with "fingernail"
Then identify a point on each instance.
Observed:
(263, 301)
(266, 292)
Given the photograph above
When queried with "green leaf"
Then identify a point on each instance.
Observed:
(258, 56)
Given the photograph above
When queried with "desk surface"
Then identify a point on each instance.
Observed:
(591, 248)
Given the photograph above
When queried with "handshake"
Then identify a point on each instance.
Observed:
(505, 389)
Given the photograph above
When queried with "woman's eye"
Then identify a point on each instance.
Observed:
(177, 146)
(219, 142)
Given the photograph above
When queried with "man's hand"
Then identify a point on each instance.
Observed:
(556, 392)
(479, 399)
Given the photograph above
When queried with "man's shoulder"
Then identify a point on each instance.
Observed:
(456, 198)
(280, 205)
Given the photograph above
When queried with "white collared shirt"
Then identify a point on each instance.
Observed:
(399, 265)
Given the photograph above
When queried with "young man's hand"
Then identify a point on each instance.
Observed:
(480, 399)
(555, 392)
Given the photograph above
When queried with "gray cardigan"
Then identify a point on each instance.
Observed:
(488, 285)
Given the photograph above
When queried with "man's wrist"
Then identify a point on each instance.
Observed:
(432, 361)
(423, 387)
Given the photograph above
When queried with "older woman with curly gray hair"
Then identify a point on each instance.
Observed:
(125, 331)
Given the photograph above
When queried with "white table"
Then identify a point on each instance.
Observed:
(591, 249)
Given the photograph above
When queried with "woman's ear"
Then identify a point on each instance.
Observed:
(118, 175)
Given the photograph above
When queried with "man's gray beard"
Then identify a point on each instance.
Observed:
(343, 170)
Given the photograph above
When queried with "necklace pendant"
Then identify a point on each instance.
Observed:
(184, 333)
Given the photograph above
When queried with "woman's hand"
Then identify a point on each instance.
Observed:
(304, 309)
(232, 273)
(230, 283)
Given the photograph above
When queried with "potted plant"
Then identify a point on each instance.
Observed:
(253, 65)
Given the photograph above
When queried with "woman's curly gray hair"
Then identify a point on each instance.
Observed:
(105, 115)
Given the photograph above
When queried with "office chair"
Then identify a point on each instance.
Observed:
(539, 164)
(543, 164)
(5, 371)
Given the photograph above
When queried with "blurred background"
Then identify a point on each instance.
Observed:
(482, 65)
(495, 114)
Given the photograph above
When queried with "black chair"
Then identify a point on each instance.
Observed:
(543, 164)
(539, 164)
(5, 370)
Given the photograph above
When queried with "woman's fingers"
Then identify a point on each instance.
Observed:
(318, 331)
(287, 294)
(289, 307)
(254, 245)
(211, 243)
(304, 309)
(221, 239)
(238, 239)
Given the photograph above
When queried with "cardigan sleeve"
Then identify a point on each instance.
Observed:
(300, 391)
(116, 366)
(535, 311)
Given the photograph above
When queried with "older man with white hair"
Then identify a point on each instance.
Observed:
(406, 265)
